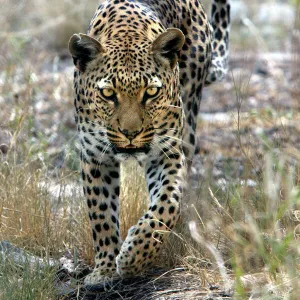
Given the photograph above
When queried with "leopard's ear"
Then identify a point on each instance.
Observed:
(83, 49)
(167, 46)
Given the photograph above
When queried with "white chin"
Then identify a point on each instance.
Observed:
(125, 156)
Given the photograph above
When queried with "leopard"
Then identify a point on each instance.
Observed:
(139, 74)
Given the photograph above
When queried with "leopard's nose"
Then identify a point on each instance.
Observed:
(130, 134)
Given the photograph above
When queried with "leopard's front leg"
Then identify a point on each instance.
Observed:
(102, 188)
(165, 179)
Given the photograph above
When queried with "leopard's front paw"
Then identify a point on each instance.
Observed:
(98, 276)
(138, 251)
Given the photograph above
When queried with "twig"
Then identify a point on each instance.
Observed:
(219, 205)
(212, 249)
(176, 269)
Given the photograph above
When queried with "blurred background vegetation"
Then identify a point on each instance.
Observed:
(244, 194)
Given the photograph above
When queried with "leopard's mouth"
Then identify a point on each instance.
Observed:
(132, 149)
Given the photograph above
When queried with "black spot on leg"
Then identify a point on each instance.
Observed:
(96, 190)
(161, 210)
(103, 206)
(95, 173)
(114, 174)
(151, 186)
(171, 209)
(89, 203)
(164, 197)
(117, 191)
(89, 191)
(98, 227)
(113, 206)
(154, 207)
(192, 139)
(115, 239)
(107, 179)
(152, 224)
(107, 241)
(105, 192)
(106, 226)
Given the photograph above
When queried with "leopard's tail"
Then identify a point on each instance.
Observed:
(220, 21)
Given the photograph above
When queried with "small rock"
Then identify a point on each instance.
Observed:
(4, 148)
(21, 257)
(248, 183)
(5, 140)
(276, 14)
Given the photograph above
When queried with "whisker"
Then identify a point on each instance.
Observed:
(165, 106)
(168, 129)
(165, 128)
(161, 149)
(98, 131)
(96, 126)
(166, 145)
(170, 145)
(173, 106)
(180, 140)
(107, 147)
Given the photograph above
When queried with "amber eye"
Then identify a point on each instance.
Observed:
(152, 91)
(108, 93)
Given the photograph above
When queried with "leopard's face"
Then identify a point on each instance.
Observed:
(133, 94)
(132, 104)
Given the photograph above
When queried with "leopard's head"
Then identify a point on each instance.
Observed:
(130, 87)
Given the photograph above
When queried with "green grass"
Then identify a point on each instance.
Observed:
(25, 282)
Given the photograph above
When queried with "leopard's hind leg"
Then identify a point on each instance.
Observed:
(220, 21)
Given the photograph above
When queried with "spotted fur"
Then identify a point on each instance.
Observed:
(139, 74)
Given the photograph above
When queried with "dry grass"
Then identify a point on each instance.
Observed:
(30, 216)
(238, 230)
